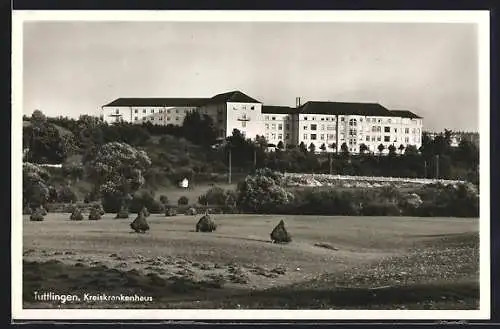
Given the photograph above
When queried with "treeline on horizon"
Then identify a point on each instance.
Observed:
(190, 147)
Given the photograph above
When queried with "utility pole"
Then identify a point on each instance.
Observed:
(437, 166)
(330, 162)
(229, 173)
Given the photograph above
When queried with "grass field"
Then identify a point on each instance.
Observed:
(332, 262)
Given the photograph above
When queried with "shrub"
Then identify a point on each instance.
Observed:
(99, 208)
(37, 215)
(146, 199)
(66, 194)
(170, 212)
(183, 200)
(145, 211)
(140, 225)
(94, 214)
(76, 214)
(214, 196)
(279, 234)
(191, 211)
(111, 203)
(206, 224)
(380, 209)
(123, 213)
(321, 202)
(164, 199)
(43, 211)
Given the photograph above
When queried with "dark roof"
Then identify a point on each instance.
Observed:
(277, 109)
(157, 102)
(338, 108)
(232, 96)
(405, 114)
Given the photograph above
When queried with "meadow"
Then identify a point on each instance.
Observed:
(332, 262)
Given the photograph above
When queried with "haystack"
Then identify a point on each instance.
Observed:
(76, 214)
(140, 225)
(280, 234)
(94, 214)
(206, 224)
(37, 215)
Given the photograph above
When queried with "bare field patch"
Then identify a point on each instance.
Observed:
(238, 266)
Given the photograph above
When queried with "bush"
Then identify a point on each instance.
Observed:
(191, 211)
(99, 208)
(206, 224)
(37, 215)
(321, 202)
(145, 211)
(66, 195)
(94, 214)
(170, 212)
(146, 199)
(215, 196)
(380, 209)
(183, 201)
(164, 199)
(76, 214)
(111, 203)
(123, 213)
(43, 211)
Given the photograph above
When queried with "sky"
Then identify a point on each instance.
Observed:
(72, 68)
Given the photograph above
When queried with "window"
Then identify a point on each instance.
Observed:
(418, 130)
(313, 136)
(367, 138)
(305, 127)
(373, 138)
(329, 127)
(313, 127)
(322, 127)
(305, 136)
(117, 111)
(407, 140)
(352, 122)
(252, 107)
(413, 130)
(144, 111)
(287, 126)
(361, 120)
(352, 132)
(160, 118)
(244, 107)
(168, 118)
(395, 130)
(305, 118)
(168, 111)
(322, 119)
(144, 119)
(136, 118)
(387, 138)
(273, 126)
(407, 130)
(280, 136)
(379, 120)
(267, 125)
(152, 111)
(374, 129)
(341, 119)
(176, 118)
(287, 136)
(280, 126)
(267, 136)
(379, 138)
(379, 129)
(388, 120)
(314, 118)
(330, 136)
(273, 136)
(266, 117)
(135, 111)
(273, 118)
(322, 137)
(243, 124)
(176, 111)
(387, 129)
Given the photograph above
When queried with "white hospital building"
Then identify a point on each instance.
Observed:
(321, 123)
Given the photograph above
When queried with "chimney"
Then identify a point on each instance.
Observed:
(297, 102)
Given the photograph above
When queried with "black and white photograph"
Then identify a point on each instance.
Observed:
(250, 165)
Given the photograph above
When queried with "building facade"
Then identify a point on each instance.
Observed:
(329, 126)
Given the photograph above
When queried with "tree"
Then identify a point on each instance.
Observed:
(411, 150)
(392, 150)
(302, 147)
(199, 129)
(344, 149)
(381, 148)
(117, 171)
(312, 147)
(363, 148)
(333, 146)
(280, 145)
(35, 187)
(262, 192)
(323, 147)
(401, 148)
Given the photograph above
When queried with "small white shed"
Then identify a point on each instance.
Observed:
(184, 183)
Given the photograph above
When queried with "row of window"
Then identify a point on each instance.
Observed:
(117, 111)
(266, 117)
(321, 136)
(244, 107)
(279, 126)
(158, 118)
(273, 136)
